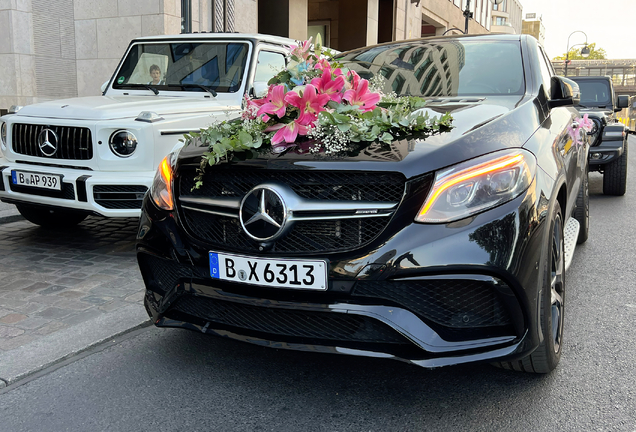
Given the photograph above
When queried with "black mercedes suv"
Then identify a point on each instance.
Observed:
(434, 250)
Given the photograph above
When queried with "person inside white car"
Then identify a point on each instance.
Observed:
(155, 74)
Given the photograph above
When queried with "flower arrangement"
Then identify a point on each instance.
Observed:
(314, 105)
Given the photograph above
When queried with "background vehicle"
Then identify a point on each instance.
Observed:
(433, 250)
(608, 151)
(65, 159)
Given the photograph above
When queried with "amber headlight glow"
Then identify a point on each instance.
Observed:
(477, 185)
(161, 190)
(123, 143)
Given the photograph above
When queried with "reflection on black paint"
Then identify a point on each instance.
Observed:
(495, 238)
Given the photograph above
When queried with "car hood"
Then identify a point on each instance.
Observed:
(480, 126)
(119, 107)
(597, 112)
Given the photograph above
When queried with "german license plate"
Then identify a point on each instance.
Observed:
(279, 273)
(36, 180)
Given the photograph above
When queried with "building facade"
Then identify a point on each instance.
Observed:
(52, 49)
(507, 17)
(440, 16)
(533, 26)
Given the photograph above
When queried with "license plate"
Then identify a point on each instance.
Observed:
(279, 273)
(36, 180)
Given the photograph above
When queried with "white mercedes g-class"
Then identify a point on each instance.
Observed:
(63, 160)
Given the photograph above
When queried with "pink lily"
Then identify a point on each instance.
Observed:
(275, 102)
(353, 80)
(310, 104)
(287, 132)
(327, 85)
(251, 107)
(362, 97)
(301, 51)
(322, 64)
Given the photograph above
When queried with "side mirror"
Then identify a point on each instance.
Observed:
(104, 87)
(622, 101)
(260, 89)
(563, 92)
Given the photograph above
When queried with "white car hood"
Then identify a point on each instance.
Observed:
(119, 107)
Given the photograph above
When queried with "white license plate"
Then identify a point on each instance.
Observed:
(274, 272)
(36, 180)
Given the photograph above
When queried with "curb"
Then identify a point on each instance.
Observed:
(11, 218)
(22, 362)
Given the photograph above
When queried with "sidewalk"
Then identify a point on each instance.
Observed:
(8, 213)
(62, 292)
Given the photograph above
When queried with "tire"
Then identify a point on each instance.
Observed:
(615, 175)
(582, 211)
(48, 217)
(546, 357)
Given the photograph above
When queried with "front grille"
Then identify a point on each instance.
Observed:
(320, 185)
(316, 236)
(288, 323)
(304, 237)
(67, 192)
(119, 196)
(451, 303)
(73, 143)
(161, 275)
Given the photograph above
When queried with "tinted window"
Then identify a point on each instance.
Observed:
(182, 66)
(546, 74)
(443, 68)
(594, 92)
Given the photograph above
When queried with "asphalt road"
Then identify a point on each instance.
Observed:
(175, 380)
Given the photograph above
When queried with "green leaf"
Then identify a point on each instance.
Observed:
(325, 118)
(344, 127)
(341, 118)
(387, 138)
(244, 138)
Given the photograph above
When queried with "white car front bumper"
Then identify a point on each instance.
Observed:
(110, 194)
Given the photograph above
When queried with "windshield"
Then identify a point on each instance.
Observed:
(184, 66)
(595, 92)
(443, 68)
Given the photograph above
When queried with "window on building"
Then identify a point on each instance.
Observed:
(498, 21)
(186, 16)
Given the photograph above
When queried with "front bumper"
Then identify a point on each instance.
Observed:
(468, 292)
(110, 194)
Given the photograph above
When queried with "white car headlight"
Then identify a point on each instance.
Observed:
(3, 133)
(477, 185)
(123, 143)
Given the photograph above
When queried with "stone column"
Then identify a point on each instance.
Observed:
(17, 54)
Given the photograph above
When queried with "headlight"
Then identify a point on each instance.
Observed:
(476, 185)
(3, 133)
(161, 190)
(593, 134)
(123, 143)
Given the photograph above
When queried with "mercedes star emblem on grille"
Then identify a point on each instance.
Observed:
(263, 213)
(47, 141)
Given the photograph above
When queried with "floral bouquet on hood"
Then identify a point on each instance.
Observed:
(315, 105)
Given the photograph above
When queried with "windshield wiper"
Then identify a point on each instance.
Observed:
(582, 106)
(152, 89)
(201, 86)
